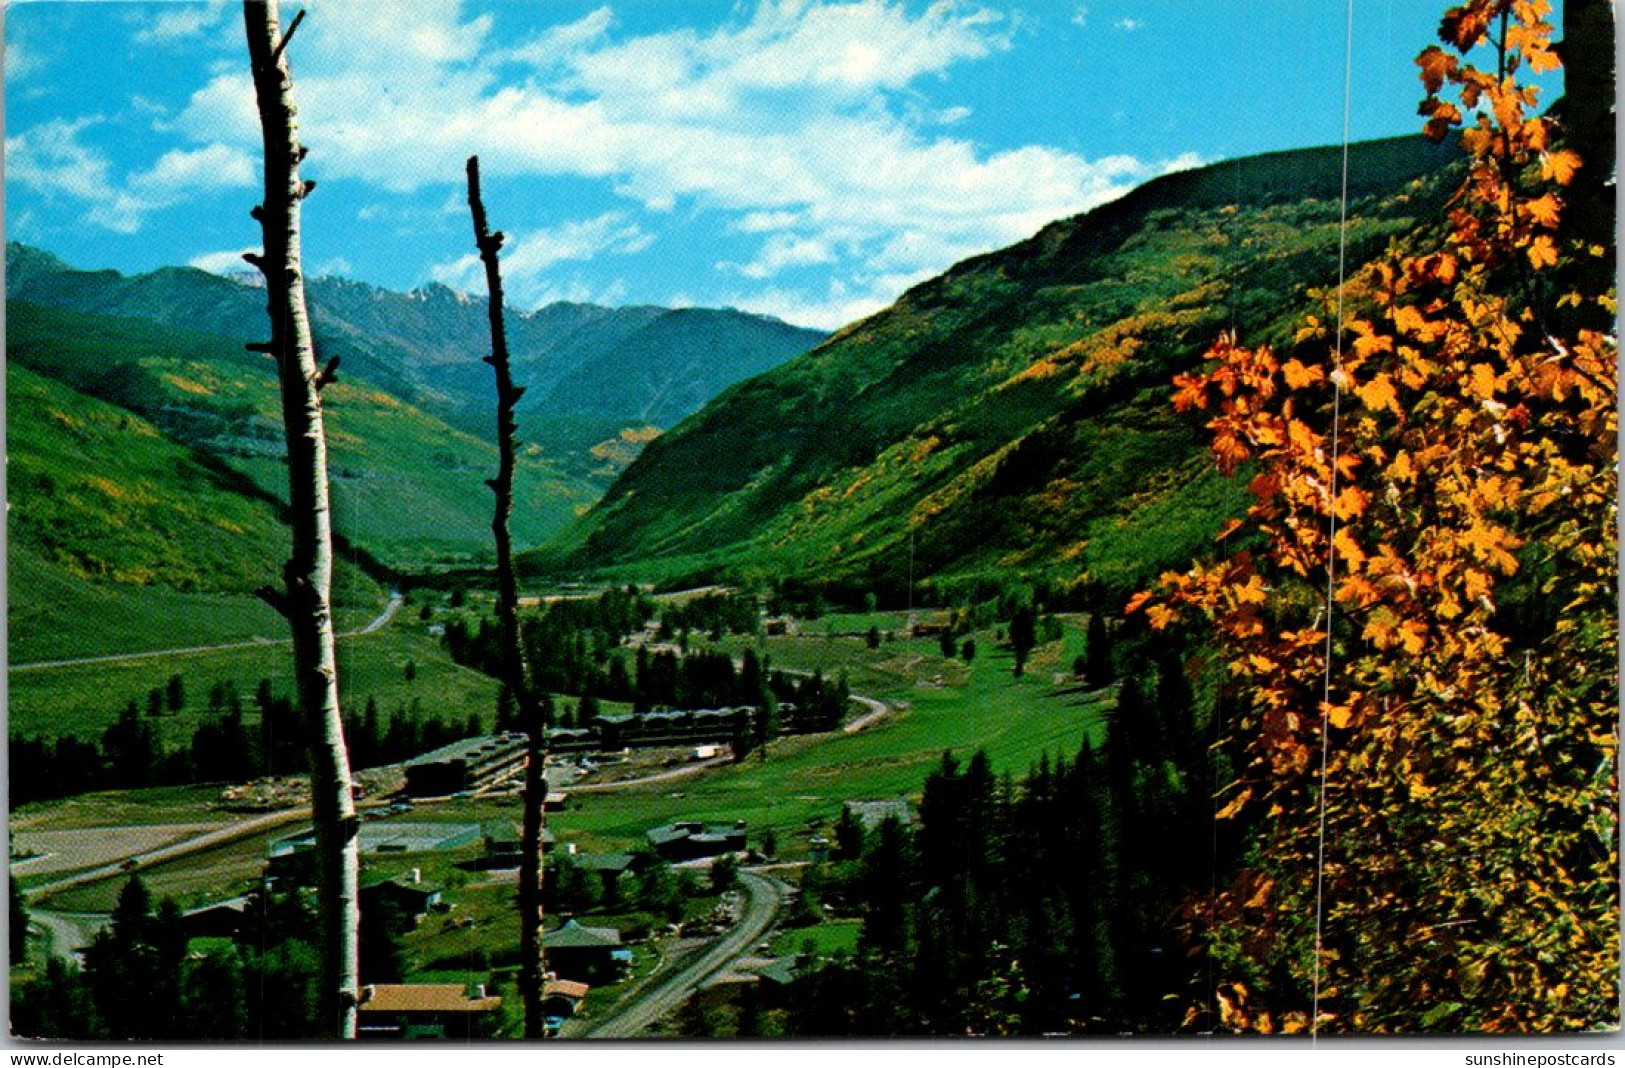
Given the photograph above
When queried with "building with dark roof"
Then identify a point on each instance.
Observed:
(691, 840)
(611, 868)
(406, 894)
(585, 953)
(503, 844)
(293, 856)
(466, 765)
(222, 919)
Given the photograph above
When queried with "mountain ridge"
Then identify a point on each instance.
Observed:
(1011, 412)
(426, 345)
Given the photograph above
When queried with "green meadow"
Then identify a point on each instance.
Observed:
(800, 785)
(398, 667)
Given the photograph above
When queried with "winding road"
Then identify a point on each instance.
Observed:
(765, 896)
(68, 932)
(878, 710)
(209, 840)
(394, 606)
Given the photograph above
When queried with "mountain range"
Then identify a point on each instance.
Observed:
(1006, 421)
(146, 454)
(1010, 419)
(588, 370)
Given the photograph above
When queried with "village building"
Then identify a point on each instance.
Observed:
(470, 764)
(426, 1011)
(691, 840)
(561, 998)
(293, 857)
(611, 868)
(586, 953)
(406, 894)
(222, 919)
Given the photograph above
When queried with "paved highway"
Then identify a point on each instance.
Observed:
(382, 620)
(764, 897)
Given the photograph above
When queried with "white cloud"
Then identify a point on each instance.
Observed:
(51, 159)
(1128, 25)
(555, 45)
(833, 307)
(528, 259)
(1186, 161)
(223, 110)
(1080, 17)
(799, 119)
(781, 251)
(180, 171)
(20, 60)
(180, 21)
(229, 262)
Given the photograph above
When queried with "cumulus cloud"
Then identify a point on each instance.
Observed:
(180, 21)
(556, 45)
(528, 258)
(228, 262)
(782, 251)
(20, 59)
(826, 308)
(798, 119)
(51, 159)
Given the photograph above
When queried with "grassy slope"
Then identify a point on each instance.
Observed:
(1015, 410)
(101, 505)
(798, 790)
(84, 700)
(806, 779)
(405, 486)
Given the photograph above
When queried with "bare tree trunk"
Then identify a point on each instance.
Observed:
(531, 707)
(1589, 81)
(305, 599)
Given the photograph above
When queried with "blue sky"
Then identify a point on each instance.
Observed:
(800, 158)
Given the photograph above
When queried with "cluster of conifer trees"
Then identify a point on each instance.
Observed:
(1049, 903)
(231, 744)
(139, 982)
(576, 647)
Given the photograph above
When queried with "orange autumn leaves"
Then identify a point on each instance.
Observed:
(1441, 375)
(1441, 457)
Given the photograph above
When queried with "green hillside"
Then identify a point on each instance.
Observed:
(1013, 413)
(407, 488)
(590, 372)
(121, 539)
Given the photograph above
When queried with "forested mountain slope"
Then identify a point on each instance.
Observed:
(1012, 413)
(590, 371)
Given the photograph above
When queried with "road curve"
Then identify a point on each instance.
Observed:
(878, 710)
(209, 840)
(395, 601)
(65, 936)
(765, 896)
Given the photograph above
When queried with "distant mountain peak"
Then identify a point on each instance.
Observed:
(1012, 413)
(431, 292)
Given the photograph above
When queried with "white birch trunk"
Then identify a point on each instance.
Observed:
(305, 599)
